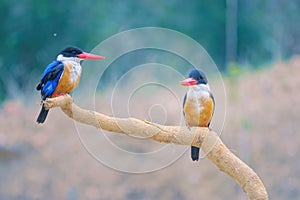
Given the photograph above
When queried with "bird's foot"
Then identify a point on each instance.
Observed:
(60, 94)
(189, 127)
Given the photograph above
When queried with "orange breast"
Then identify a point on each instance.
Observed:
(68, 82)
(198, 112)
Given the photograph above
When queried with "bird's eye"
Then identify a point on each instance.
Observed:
(74, 52)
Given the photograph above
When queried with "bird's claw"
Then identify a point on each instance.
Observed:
(57, 95)
(189, 127)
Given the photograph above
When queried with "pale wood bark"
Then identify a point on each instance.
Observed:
(204, 138)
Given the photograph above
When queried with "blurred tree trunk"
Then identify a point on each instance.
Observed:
(231, 31)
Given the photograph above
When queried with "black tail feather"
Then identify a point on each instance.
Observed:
(42, 116)
(195, 153)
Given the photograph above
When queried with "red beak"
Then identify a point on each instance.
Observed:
(89, 56)
(188, 82)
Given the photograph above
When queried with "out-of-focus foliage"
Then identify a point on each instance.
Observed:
(33, 32)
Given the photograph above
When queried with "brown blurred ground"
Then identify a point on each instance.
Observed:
(263, 115)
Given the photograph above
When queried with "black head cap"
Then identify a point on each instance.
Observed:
(199, 76)
(71, 51)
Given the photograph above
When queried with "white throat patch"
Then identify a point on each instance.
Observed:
(200, 87)
(61, 58)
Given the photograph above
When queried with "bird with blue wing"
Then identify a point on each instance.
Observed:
(62, 75)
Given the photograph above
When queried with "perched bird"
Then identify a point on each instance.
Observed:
(62, 75)
(198, 104)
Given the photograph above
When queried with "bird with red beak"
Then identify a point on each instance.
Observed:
(62, 75)
(198, 104)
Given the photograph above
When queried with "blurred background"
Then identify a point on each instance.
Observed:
(255, 44)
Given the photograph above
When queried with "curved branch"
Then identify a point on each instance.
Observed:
(202, 137)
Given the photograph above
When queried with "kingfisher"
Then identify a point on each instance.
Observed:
(198, 104)
(62, 75)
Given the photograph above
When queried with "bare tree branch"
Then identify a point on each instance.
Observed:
(207, 140)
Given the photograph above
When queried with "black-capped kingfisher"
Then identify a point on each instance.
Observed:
(62, 75)
(198, 104)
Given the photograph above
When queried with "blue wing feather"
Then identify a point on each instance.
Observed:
(49, 68)
(184, 100)
(50, 79)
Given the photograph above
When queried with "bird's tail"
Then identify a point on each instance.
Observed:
(195, 153)
(42, 116)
